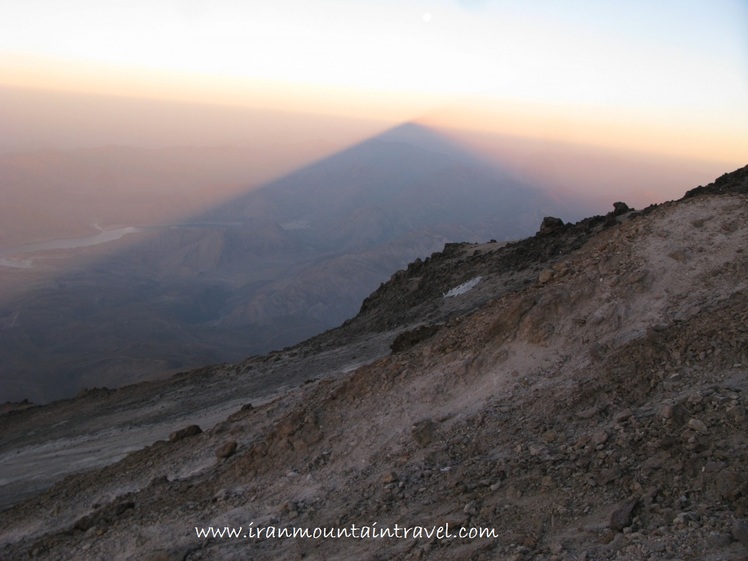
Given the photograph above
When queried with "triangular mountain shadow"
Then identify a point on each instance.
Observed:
(411, 175)
(267, 269)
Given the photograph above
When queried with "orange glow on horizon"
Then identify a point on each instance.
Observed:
(673, 133)
(668, 135)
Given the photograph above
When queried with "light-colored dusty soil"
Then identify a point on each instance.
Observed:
(41, 445)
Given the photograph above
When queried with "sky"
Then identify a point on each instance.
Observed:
(668, 76)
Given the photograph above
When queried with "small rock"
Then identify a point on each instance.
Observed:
(622, 516)
(622, 415)
(736, 413)
(535, 450)
(389, 477)
(683, 518)
(513, 493)
(600, 438)
(608, 475)
(550, 224)
(617, 543)
(680, 255)
(698, 426)
(714, 467)
(470, 508)
(620, 208)
(718, 539)
(666, 411)
(740, 531)
(159, 480)
(226, 450)
(668, 515)
(287, 507)
(186, 432)
(103, 516)
(549, 436)
(588, 413)
(424, 432)
(731, 483)
(545, 275)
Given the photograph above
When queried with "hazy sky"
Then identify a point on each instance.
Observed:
(668, 75)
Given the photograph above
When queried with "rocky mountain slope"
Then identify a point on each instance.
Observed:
(581, 392)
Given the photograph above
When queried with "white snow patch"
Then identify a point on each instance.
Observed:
(463, 288)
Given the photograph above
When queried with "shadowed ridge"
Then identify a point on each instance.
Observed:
(733, 182)
(413, 293)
